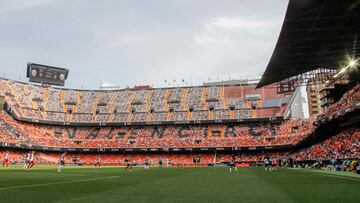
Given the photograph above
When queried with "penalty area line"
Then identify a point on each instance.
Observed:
(57, 183)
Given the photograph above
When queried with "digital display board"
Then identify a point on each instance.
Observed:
(285, 87)
(46, 74)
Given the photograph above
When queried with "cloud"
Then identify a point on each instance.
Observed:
(232, 47)
(14, 5)
(245, 23)
(133, 42)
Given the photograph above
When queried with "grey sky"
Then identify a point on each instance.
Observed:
(140, 42)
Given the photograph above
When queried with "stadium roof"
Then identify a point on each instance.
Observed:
(315, 34)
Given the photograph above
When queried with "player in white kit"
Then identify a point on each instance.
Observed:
(61, 162)
(31, 160)
(6, 160)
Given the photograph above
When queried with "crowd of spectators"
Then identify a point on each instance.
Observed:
(350, 98)
(168, 159)
(339, 152)
(133, 105)
(164, 136)
(345, 145)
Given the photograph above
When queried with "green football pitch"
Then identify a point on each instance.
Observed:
(208, 184)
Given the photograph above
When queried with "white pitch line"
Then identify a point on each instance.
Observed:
(333, 175)
(50, 174)
(57, 183)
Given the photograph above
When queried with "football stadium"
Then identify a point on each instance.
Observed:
(233, 140)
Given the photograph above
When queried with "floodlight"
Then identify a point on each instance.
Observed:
(352, 63)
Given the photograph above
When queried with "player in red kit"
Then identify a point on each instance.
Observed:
(98, 162)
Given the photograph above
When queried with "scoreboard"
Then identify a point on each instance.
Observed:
(46, 74)
(286, 86)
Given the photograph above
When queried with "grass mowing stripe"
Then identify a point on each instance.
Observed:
(57, 183)
(329, 175)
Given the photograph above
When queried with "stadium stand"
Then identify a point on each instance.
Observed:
(345, 145)
(163, 136)
(349, 99)
(33, 102)
(77, 118)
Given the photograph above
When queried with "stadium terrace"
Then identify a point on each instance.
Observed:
(199, 104)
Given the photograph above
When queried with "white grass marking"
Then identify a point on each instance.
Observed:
(62, 174)
(56, 183)
(332, 175)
